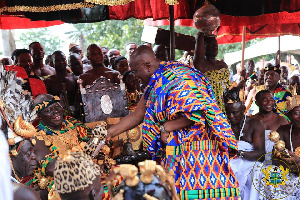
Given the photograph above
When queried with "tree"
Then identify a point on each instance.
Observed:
(116, 33)
(50, 42)
(110, 33)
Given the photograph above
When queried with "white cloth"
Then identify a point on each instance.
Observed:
(242, 169)
(236, 78)
(269, 147)
(5, 170)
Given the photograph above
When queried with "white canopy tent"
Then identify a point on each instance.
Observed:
(288, 44)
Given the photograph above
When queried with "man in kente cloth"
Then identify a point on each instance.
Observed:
(179, 102)
(280, 93)
(58, 135)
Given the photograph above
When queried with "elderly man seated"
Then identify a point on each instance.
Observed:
(251, 145)
(59, 135)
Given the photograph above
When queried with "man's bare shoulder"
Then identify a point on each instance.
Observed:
(50, 79)
(221, 64)
(281, 120)
(255, 122)
(48, 67)
(284, 132)
(47, 70)
(70, 75)
(284, 129)
(87, 74)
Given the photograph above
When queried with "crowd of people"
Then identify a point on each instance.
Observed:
(199, 121)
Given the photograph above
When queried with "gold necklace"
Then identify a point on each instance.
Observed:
(13, 170)
(65, 141)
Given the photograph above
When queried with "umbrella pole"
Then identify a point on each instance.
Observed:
(172, 33)
(279, 50)
(243, 48)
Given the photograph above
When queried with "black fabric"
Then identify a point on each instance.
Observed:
(241, 7)
(85, 15)
(40, 3)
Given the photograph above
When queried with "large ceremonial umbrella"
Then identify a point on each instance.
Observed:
(13, 22)
(140, 9)
(231, 27)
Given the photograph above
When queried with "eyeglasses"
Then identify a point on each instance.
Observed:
(135, 70)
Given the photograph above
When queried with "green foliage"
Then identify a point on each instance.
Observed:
(109, 33)
(115, 34)
(50, 42)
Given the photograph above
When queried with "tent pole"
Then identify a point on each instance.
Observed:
(243, 48)
(172, 33)
(279, 59)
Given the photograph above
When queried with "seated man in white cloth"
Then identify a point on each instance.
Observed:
(250, 134)
(267, 114)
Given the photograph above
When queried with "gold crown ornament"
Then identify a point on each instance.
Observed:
(293, 101)
(242, 95)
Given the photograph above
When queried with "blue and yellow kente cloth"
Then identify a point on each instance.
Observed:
(199, 154)
(280, 97)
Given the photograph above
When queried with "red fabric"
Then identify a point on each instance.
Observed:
(232, 34)
(142, 9)
(275, 18)
(226, 20)
(37, 87)
(11, 22)
(20, 71)
(290, 5)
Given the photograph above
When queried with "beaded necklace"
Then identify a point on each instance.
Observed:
(66, 126)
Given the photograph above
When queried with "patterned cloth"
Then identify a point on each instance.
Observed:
(84, 133)
(198, 155)
(32, 83)
(280, 95)
(219, 80)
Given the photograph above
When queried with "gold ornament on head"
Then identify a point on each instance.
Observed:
(23, 128)
(242, 95)
(293, 101)
(45, 104)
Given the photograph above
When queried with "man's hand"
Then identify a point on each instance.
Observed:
(293, 161)
(164, 137)
(109, 135)
(199, 35)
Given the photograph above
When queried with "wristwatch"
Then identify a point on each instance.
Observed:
(162, 128)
